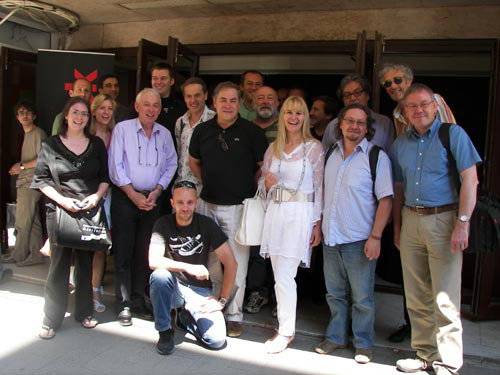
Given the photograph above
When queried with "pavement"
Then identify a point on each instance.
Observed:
(113, 349)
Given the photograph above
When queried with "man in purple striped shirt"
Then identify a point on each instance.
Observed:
(142, 162)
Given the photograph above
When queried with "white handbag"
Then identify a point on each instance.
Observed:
(252, 221)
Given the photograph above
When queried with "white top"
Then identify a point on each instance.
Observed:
(288, 225)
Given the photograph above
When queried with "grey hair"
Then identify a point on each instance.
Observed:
(147, 90)
(418, 87)
(226, 85)
(354, 77)
(391, 66)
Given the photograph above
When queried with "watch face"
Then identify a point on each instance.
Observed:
(463, 218)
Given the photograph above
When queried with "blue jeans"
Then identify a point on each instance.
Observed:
(348, 270)
(167, 294)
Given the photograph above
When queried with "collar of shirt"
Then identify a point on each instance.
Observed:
(213, 122)
(205, 116)
(138, 127)
(362, 146)
(429, 133)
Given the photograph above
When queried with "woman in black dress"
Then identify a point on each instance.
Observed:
(80, 160)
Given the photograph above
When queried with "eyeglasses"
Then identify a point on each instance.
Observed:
(156, 149)
(75, 112)
(222, 142)
(397, 81)
(351, 122)
(357, 93)
(185, 183)
(414, 106)
(24, 113)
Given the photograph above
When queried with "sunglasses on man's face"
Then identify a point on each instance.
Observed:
(397, 81)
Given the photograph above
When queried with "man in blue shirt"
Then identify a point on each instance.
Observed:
(431, 229)
(352, 228)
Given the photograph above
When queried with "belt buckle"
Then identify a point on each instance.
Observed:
(421, 208)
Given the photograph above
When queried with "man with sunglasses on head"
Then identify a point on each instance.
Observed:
(396, 79)
(179, 256)
(355, 88)
(226, 153)
(142, 162)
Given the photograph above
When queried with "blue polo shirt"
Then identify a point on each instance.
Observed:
(421, 163)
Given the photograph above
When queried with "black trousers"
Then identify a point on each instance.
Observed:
(57, 285)
(132, 230)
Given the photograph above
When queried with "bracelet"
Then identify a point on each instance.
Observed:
(375, 237)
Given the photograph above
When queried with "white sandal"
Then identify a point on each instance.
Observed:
(278, 343)
(98, 305)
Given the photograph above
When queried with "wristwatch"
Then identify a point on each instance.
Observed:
(21, 165)
(222, 302)
(463, 218)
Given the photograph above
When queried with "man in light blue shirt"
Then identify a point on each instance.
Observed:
(142, 162)
(431, 230)
(355, 213)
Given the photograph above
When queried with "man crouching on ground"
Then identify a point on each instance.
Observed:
(178, 254)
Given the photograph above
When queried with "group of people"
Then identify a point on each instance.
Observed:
(325, 178)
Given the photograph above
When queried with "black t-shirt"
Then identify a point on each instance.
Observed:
(171, 110)
(228, 177)
(190, 244)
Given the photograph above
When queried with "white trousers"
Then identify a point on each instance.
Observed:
(228, 218)
(285, 270)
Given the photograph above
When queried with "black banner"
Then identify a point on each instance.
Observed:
(57, 70)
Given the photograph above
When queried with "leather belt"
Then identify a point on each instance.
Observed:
(422, 210)
(286, 195)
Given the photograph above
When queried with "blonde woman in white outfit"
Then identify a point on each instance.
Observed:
(292, 177)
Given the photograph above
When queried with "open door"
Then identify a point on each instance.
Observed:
(185, 61)
(147, 54)
(361, 53)
(18, 77)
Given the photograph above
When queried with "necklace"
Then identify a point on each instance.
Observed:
(301, 175)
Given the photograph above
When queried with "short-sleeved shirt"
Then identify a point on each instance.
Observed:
(228, 177)
(31, 147)
(421, 163)
(190, 244)
(350, 206)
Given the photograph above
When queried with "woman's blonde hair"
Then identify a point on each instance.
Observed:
(294, 103)
(98, 100)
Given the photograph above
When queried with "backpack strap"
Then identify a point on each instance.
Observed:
(329, 151)
(444, 138)
(373, 158)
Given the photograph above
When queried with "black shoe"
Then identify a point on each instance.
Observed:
(403, 333)
(142, 312)
(125, 317)
(165, 344)
(6, 275)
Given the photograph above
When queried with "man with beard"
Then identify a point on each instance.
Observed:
(322, 112)
(357, 207)
(266, 107)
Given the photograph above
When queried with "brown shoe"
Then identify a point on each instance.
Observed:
(363, 356)
(234, 329)
(29, 262)
(327, 347)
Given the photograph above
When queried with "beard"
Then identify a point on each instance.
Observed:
(265, 112)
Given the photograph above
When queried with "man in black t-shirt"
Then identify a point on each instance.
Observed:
(226, 153)
(178, 254)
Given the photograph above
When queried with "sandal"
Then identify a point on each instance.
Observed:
(47, 333)
(278, 343)
(89, 322)
(98, 305)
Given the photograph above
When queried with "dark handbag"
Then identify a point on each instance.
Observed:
(86, 229)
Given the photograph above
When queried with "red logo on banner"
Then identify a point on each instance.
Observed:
(77, 75)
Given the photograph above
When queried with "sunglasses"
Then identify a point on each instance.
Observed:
(186, 184)
(397, 81)
(222, 142)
